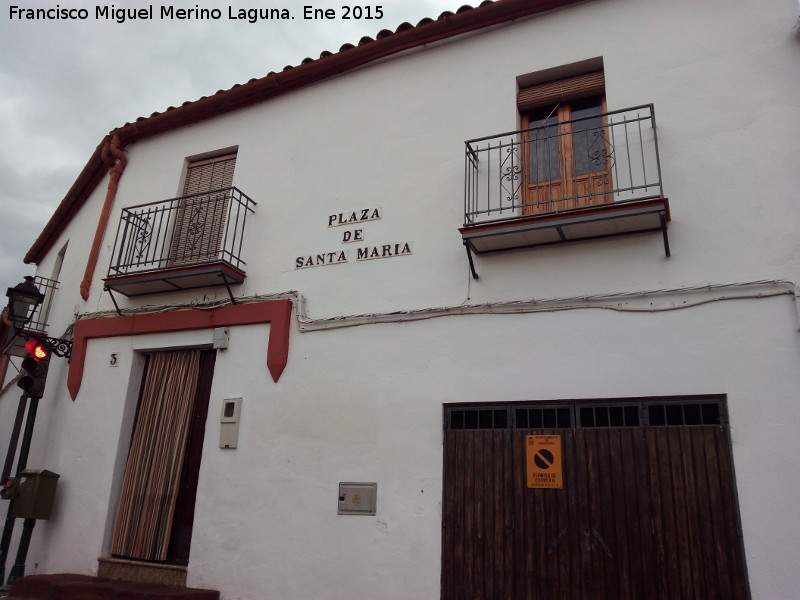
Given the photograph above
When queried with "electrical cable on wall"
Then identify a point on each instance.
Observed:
(635, 302)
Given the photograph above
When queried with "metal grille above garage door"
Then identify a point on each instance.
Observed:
(648, 508)
(652, 412)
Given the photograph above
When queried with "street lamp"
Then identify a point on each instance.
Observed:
(23, 300)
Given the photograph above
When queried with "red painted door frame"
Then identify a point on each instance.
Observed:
(277, 313)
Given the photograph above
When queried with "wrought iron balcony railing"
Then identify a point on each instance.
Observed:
(41, 313)
(182, 232)
(608, 158)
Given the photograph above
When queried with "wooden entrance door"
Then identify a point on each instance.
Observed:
(156, 505)
(644, 513)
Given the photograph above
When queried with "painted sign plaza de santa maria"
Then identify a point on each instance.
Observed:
(354, 220)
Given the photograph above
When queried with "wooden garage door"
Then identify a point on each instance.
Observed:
(647, 509)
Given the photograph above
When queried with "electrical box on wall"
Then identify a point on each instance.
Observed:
(358, 498)
(220, 338)
(229, 423)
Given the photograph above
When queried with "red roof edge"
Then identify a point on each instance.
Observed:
(275, 84)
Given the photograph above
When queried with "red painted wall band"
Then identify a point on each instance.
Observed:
(278, 313)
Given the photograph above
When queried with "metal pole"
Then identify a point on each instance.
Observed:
(26, 437)
(12, 443)
(19, 567)
(8, 528)
(5, 542)
(18, 570)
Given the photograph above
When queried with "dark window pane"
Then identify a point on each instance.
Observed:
(545, 155)
(457, 419)
(631, 416)
(470, 419)
(691, 414)
(564, 418)
(674, 414)
(656, 415)
(500, 419)
(535, 416)
(615, 416)
(522, 418)
(549, 416)
(711, 414)
(601, 416)
(587, 417)
(586, 107)
(485, 419)
(591, 153)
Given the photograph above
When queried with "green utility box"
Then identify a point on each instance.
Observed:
(37, 489)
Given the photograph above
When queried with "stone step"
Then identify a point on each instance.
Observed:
(67, 586)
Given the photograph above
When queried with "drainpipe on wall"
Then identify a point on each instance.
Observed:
(112, 155)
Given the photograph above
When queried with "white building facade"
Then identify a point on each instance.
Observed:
(611, 261)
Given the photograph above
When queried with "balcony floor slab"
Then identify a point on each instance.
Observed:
(591, 222)
(175, 279)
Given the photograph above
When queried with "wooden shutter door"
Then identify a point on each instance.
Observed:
(613, 516)
(698, 551)
(645, 512)
(478, 552)
(202, 211)
(545, 538)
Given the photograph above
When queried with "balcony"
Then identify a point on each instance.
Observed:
(179, 244)
(591, 177)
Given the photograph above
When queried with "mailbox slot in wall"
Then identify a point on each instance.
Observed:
(37, 490)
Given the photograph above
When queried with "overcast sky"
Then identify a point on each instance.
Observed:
(65, 83)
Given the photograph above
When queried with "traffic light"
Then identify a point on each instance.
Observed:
(37, 350)
(34, 369)
(9, 489)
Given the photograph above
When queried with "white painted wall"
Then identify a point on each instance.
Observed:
(365, 403)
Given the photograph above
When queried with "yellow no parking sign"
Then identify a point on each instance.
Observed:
(544, 461)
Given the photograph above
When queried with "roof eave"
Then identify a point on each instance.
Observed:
(448, 25)
(293, 78)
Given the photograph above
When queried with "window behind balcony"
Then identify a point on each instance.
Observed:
(202, 211)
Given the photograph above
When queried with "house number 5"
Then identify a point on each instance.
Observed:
(113, 360)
